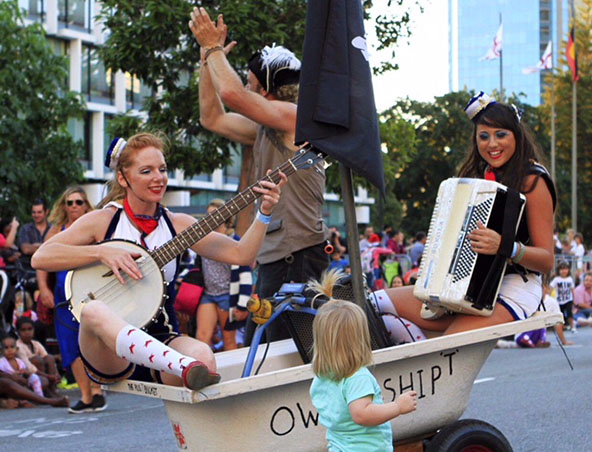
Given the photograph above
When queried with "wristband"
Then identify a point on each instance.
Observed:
(265, 219)
(521, 253)
(514, 250)
(212, 50)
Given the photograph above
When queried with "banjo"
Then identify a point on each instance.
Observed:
(139, 302)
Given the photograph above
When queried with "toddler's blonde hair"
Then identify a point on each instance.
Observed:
(341, 336)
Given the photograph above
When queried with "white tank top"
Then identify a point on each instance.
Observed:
(162, 234)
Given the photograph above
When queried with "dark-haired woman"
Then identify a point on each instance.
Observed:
(503, 150)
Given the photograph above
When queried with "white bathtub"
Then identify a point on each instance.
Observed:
(272, 411)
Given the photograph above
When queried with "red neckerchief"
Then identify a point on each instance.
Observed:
(145, 223)
(490, 174)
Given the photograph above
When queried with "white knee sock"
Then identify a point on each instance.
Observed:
(400, 329)
(139, 347)
(383, 302)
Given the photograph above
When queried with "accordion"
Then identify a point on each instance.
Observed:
(451, 275)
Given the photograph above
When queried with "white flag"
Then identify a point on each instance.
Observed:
(496, 48)
(546, 61)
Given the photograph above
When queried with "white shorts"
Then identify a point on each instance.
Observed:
(521, 298)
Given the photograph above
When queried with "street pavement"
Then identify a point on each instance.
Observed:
(531, 395)
(534, 397)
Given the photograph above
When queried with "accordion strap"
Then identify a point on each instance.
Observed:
(511, 216)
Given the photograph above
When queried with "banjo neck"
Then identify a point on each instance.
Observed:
(304, 158)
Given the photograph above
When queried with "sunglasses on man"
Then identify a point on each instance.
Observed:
(70, 202)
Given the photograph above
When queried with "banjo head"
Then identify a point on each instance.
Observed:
(136, 302)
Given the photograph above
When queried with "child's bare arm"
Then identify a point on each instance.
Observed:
(364, 412)
(43, 374)
(18, 378)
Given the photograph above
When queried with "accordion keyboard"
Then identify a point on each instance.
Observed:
(464, 256)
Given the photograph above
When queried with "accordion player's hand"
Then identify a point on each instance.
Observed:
(485, 240)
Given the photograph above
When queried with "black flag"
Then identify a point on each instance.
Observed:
(336, 110)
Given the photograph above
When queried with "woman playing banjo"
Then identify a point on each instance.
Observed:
(110, 347)
(504, 151)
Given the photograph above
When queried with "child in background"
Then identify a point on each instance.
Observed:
(551, 305)
(564, 286)
(23, 307)
(343, 391)
(16, 367)
(32, 351)
(397, 281)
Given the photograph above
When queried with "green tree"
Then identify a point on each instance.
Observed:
(151, 40)
(38, 155)
(559, 91)
(442, 134)
(399, 145)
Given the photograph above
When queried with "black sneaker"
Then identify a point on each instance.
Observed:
(98, 402)
(81, 407)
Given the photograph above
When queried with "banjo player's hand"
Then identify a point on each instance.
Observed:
(484, 240)
(270, 193)
(119, 260)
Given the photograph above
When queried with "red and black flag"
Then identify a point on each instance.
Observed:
(572, 60)
(336, 109)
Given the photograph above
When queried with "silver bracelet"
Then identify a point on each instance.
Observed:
(515, 250)
(520, 255)
(265, 219)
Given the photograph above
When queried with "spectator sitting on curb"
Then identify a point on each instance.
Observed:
(583, 301)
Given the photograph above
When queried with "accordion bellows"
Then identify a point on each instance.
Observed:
(451, 274)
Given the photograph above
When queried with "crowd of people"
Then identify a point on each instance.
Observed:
(287, 241)
(30, 374)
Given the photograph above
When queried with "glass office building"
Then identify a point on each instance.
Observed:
(528, 25)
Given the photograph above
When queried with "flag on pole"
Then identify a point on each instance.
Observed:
(336, 109)
(546, 61)
(496, 48)
(572, 60)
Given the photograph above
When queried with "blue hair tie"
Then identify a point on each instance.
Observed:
(518, 112)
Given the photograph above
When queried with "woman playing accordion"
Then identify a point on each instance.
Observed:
(503, 151)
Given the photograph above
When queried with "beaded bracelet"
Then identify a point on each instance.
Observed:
(265, 219)
(212, 50)
(520, 254)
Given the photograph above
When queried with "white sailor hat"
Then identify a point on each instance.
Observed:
(477, 104)
(114, 152)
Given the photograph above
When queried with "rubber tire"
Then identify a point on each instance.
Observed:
(461, 435)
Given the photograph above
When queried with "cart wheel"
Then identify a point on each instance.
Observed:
(469, 435)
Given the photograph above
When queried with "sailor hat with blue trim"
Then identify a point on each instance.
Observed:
(477, 104)
(115, 149)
